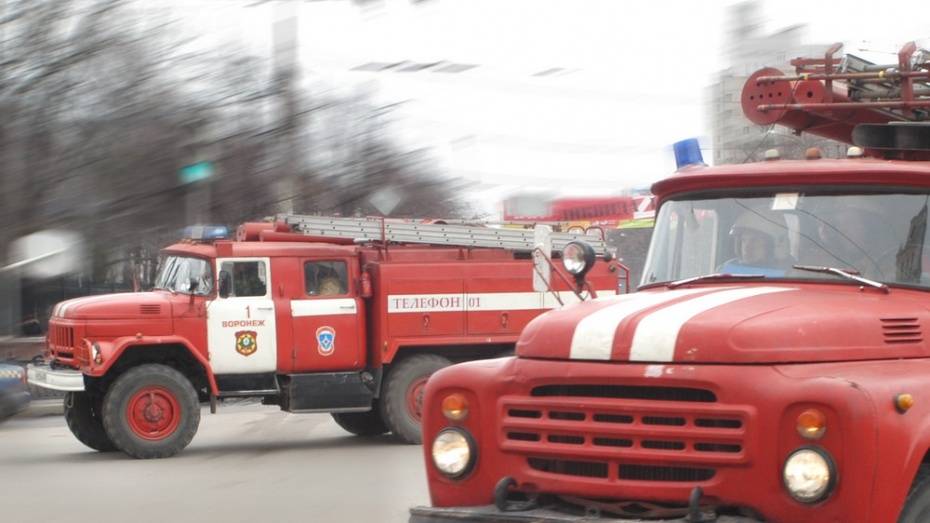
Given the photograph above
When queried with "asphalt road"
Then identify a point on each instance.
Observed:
(247, 463)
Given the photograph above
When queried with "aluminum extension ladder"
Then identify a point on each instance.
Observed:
(377, 229)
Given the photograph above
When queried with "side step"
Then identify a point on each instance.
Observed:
(327, 392)
(245, 385)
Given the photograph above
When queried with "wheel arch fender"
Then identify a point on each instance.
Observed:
(918, 456)
(125, 352)
(908, 445)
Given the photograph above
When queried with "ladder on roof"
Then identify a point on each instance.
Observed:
(377, 229)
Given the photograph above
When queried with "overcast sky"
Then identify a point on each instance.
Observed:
(629, 78)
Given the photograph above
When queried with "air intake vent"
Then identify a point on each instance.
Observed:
(901, 330)
(586, 469)
(664, 473)
(150, 309)
(637, 392)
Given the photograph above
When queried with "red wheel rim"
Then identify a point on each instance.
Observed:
(415, 397)
(153, 413)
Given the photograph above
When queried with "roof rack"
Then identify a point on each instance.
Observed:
(398, 231)
(833, 95)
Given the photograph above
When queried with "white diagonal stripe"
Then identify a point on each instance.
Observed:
(593, 338)
(657, 334)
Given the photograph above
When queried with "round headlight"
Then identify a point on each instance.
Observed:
(453, 452)
(577, 257)
(809, 475)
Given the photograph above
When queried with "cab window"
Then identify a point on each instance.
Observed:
(326, 278)
(186, 275)
(248, 278)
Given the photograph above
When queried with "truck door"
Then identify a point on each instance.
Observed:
(328, 319)
(241, 334)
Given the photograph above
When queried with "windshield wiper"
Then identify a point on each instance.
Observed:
(714, 276)
(843, 274)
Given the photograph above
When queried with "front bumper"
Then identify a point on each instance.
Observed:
(55, 379)
(615, 432)
(490, 514)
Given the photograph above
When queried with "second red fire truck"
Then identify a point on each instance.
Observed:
(311, 314)
(774, 365)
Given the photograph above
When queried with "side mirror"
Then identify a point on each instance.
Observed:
(192, 285)
(365, 290)
(225, 284)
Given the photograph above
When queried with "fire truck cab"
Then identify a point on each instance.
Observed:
(773, 365)
(307, 322)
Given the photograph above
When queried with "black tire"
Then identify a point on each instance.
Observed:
(82, 414)
(394, 411)
(170, 385)
(362, 423)
(917, 505)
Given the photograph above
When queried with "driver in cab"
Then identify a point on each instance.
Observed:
(760, 244)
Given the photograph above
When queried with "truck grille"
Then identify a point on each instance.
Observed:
(625, 432)
(600, 469)
(61, 343)
(62, 336)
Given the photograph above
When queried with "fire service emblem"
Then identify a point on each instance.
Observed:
(246, 342)
(326, 340)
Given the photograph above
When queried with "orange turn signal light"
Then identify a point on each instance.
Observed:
(903, 402)
(812, 424)
(455, 407)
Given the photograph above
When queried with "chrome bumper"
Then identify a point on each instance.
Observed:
(45, 377)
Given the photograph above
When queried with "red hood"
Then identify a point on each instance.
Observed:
(115, 306)
(735, 324)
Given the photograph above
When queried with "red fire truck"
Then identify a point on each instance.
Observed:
(312, 314)
(774, 364)
(581, 212)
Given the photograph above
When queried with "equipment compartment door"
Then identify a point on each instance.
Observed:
(241, 334)
(501, 305)
(426, 307)
(327, 320)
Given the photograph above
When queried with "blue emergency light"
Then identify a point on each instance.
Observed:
(206, 232)
(688, 152)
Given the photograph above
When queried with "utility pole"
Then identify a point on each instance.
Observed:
(284, 37)
(9, 284)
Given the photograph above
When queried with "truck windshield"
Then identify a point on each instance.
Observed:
(881, 236)
(177, 272)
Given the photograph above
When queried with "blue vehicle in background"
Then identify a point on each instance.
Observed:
(14, 394)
